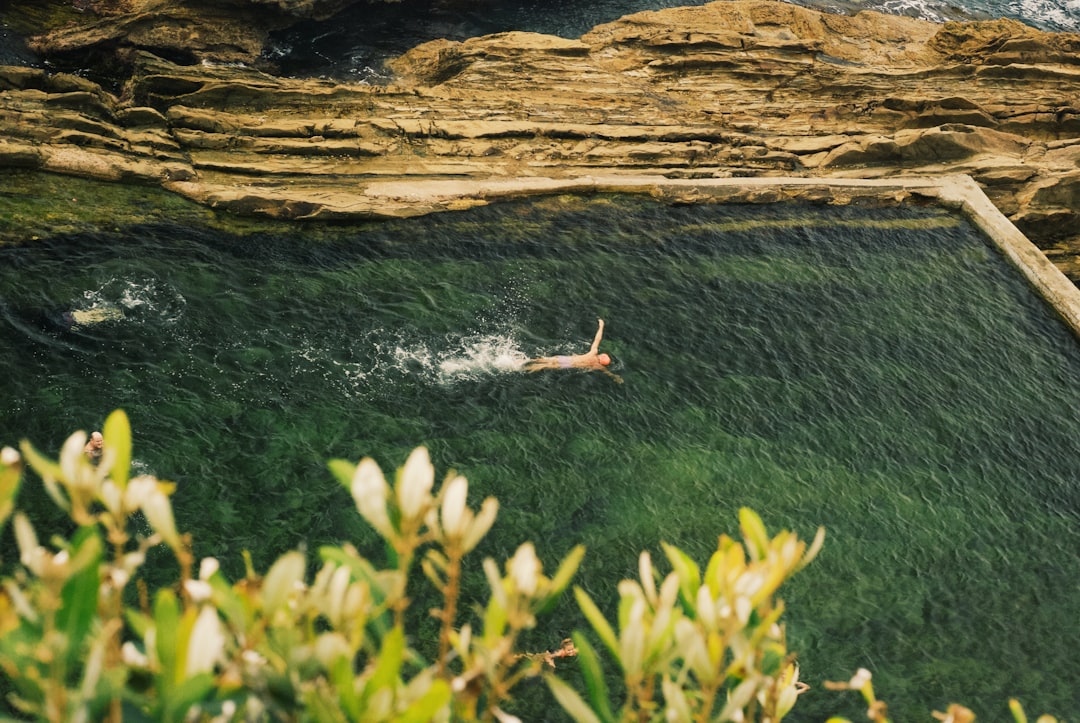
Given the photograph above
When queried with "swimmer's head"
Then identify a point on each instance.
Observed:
(604, 359)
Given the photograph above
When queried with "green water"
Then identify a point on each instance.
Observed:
(881, 372)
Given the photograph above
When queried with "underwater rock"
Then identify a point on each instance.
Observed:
(735, 88)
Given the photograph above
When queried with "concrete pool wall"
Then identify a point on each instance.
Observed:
(955, 191)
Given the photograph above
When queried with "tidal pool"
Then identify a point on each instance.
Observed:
(882, 372)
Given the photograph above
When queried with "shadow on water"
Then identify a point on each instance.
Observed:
(881, 372)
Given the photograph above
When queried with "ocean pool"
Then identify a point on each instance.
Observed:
(883, 372)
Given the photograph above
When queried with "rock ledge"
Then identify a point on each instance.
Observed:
(740, 88)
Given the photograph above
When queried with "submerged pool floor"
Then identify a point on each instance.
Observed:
(885, 373)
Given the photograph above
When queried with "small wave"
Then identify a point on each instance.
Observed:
(365, 74)
(1050, 14)
(350, 378)
(1053, 15)
(914, 9)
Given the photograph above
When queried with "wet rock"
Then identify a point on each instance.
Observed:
(185, 31)
(732, 89)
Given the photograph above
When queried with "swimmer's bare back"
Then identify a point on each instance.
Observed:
(591, 360)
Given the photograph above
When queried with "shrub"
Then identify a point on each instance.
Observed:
(79, 640)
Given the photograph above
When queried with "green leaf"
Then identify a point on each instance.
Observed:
(426, 707)
(571, 701)
(1017, 711)
(117, 439)
(739, 698)
(130, 712)
(432, 572)
(567, 568)
(388, 668)
(343, 470)
(321, 708)
(713, 575)
(593, 672)
(494, 620)
(598, 621)
(341, 674)
(281, 580)
(78, 609)
(166, 625)
(10, 476)
(138, 621)
(229, 602)
(772, 661)
(49, 472)
(675, 701)
(362, 570)
(187, 694)
(688, 573)
(753, 529)
(812, 551)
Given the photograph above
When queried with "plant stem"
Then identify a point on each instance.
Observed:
(449, 612)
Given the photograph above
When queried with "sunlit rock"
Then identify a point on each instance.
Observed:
(731, 89)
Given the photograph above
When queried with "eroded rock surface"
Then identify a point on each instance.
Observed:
(729, 89)
(230, 31)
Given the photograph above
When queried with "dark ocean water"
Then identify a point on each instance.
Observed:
(355, 44)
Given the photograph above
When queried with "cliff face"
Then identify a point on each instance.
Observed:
(106, 31)
(733, 88)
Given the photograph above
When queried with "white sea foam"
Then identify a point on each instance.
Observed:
(1056, 14)
(1059, 15)
(914, 8)
(141, 296)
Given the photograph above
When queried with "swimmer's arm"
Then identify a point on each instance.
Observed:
(613, 375)
(596, 342)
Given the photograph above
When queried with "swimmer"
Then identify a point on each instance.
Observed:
(89, 317)
(590, 361)
(79, 319)
(93, 446)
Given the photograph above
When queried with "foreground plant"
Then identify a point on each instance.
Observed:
(692, 645)
(273, 645)
(877, 710)
(701, 646)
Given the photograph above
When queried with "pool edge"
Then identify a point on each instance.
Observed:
(958, 191)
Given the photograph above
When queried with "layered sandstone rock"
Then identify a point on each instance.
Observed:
(729, 89)
(231, 31)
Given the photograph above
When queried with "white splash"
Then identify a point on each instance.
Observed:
(382, 357)
(482, 355)
(141, 296)
(462, 358)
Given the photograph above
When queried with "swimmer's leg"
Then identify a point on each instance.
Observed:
(540, 363)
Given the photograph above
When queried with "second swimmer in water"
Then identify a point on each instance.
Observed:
(589, 361)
